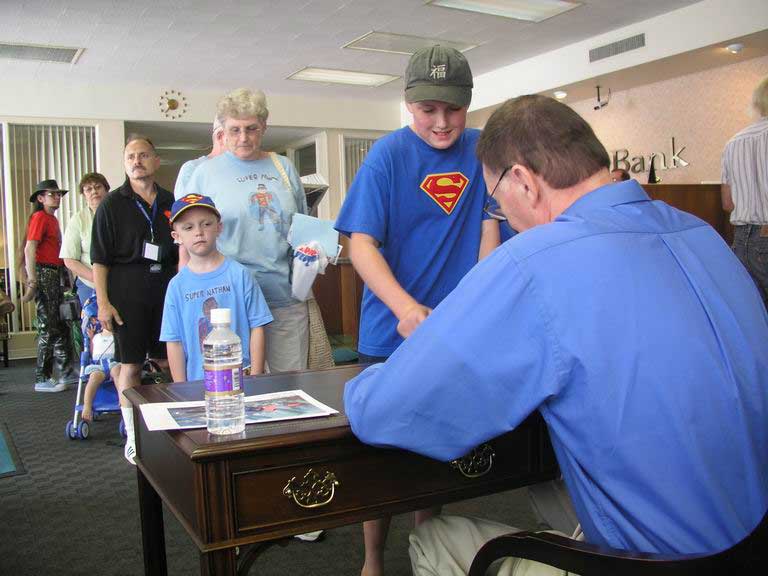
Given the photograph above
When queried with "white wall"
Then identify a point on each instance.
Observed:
(110, 136)
(695, 26)
(330, 164)
(141, 103)
(701, 111)
(107, 107)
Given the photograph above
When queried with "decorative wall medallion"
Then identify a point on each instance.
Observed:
(172, 104)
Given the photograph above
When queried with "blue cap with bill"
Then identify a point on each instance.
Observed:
(192, 201)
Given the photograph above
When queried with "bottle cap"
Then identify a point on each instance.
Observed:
(220, 316)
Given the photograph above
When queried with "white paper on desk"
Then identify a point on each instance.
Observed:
(305, 228)
(288, 405)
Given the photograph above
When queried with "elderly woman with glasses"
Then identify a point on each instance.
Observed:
(257, 193)
(76, 245)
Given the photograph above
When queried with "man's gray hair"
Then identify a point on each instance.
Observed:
(760, 97)
(243, 103)
(133, 136)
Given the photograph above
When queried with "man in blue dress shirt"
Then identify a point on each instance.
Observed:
(628, 324)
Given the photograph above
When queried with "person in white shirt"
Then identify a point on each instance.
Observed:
(745, 191)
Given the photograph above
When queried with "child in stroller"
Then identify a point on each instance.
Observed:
(98, 371)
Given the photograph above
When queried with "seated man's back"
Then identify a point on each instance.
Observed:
(641, 339)
(659, 418)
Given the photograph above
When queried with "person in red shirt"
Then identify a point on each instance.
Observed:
(45, 282)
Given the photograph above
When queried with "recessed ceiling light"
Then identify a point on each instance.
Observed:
(333, 76)
(559, 94)
(401, 43)
(529, 10)
(735, 48)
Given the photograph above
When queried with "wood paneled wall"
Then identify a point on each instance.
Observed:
(702, 200)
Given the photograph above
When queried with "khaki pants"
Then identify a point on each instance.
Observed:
(446, 546)
(287, 338)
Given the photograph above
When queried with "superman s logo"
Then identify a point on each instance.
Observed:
(191, 198)
(445, 189)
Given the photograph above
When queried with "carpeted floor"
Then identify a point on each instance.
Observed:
(74, 510)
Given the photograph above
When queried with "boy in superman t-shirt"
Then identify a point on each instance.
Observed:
(209, 280)
(415, 218)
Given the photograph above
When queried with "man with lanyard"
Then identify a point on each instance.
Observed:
(133, 259)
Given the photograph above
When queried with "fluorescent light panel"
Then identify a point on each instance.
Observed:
(401, 43)
(40, 52)
(330, 75)
(194, 147)
(529, 10)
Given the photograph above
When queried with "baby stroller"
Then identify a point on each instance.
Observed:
(106, 400)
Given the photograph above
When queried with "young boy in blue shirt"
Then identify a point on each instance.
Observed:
(414, 216)
(209, 280)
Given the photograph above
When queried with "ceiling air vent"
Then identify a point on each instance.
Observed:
(614, 48)
(40, 53)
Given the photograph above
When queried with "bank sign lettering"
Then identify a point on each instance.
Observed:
(635, 164)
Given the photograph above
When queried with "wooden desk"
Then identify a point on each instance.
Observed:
(231, 491)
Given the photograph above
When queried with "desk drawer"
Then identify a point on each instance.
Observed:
(354, 481)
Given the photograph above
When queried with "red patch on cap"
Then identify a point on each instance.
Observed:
(192, 198)
(445, 189)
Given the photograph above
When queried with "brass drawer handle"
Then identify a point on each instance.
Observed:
(477, 463)
(313, 490)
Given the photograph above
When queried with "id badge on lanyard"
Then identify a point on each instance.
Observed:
(151, 250)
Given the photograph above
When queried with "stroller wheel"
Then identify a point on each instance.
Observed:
(123, 433)
(70, 430)
(83, 429)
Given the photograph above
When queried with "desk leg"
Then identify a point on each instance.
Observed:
(253, 551)
(219, 563)
(152, 529)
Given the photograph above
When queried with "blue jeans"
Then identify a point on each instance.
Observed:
(752, 249)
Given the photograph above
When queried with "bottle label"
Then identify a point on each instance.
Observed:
(223, 379)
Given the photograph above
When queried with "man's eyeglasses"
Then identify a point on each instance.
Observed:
(491, 206)
(53, 193)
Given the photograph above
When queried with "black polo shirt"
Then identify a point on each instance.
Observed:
(120, 229)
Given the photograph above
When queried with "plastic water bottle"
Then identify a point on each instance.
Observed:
(223, 367)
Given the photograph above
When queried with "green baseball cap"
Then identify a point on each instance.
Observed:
(438, 73)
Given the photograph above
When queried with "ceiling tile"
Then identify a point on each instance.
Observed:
(208, 45)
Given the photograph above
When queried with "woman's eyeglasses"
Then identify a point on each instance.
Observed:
(252, 130)
(491, 206)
